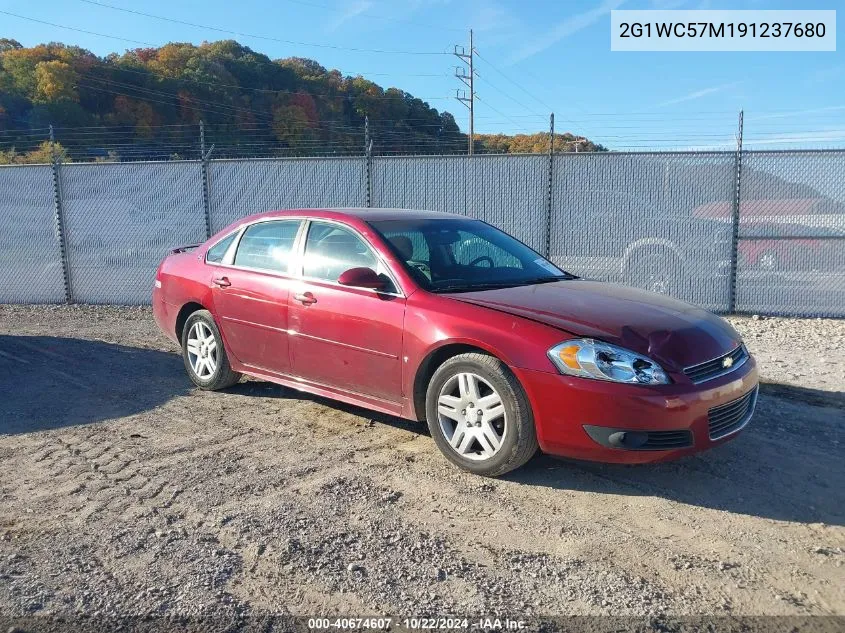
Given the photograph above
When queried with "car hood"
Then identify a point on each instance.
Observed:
(674, 333)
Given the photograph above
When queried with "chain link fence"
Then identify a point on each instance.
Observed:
(118, 223)
(791, 246)
(632, 219)
(242, 187)
(508, 191)
(30, 248)
(756, 232)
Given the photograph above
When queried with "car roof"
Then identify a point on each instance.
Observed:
(361, 213)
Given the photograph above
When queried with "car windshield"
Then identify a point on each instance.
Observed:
(457, 255)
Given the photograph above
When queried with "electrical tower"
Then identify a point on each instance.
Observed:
(461, 94)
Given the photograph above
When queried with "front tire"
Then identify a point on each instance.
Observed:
(479, 415)
(205, 357)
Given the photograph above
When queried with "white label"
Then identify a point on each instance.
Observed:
(799, 30)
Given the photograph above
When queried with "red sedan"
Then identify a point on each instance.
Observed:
(445, 319)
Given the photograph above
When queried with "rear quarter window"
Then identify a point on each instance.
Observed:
(217, 252)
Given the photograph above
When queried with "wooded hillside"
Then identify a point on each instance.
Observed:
(148, 103)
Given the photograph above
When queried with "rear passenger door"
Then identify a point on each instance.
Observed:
(251, 295)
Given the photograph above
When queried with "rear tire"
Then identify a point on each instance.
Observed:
(479, 415)
(204, 354)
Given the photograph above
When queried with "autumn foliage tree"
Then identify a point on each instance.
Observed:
(148, 102)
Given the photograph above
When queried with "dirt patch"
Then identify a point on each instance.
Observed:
(125, 491)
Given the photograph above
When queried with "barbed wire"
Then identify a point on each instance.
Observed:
(258, 36)
(389, 137)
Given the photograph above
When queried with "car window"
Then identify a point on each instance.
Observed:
(217, 252)
(475, 250)
(267, 245)
(411, 247)
(331, 249)
(463, 254)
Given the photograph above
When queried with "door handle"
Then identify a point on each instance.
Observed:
(223, 282)
(305, 298)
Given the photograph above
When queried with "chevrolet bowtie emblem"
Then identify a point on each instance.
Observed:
(727, 362)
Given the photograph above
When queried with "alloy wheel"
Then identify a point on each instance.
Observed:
(472, 416)
(202, 350)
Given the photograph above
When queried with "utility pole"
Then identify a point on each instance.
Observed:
(468, 79)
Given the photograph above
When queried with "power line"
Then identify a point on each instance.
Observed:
(489, 105)
(339, 94)
(71, 28)
(518, 85)
(151, 100)
(506, 94)
(259, 37)
(209, 106)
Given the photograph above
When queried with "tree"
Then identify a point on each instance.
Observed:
(250, 104)
(45, 153)
(7, 44)
(55, 81)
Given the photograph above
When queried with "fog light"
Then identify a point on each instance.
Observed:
(627, 439)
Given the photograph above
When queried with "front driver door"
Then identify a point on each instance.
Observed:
(343, 337)
(251, 295)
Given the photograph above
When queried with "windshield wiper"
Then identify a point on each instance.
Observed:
(471, 287)
(501, 284)
(546, 280)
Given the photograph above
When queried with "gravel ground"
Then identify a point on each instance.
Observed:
(126, 492)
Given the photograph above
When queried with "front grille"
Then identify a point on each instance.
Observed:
(716, 367)
(731, 417)
(664, 440)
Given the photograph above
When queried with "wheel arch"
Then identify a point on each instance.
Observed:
(650, 244)
(434, 359)
(184, 312)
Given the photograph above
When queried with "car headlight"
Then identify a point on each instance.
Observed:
(588, 358)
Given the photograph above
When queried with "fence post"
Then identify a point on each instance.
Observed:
(735, 218)
(368, 153)
(550, 183)
(205, 203)
(59, 217)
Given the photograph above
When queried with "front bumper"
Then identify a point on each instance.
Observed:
(579, 418)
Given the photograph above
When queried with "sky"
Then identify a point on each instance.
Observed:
(533, 57)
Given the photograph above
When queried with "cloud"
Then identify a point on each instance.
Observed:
(788, 138)
(698, 94)
(490, 16)
(823, 136)
(355, 9)
(564, 29)
(797, 113)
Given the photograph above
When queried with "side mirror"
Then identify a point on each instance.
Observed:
(361, 278)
